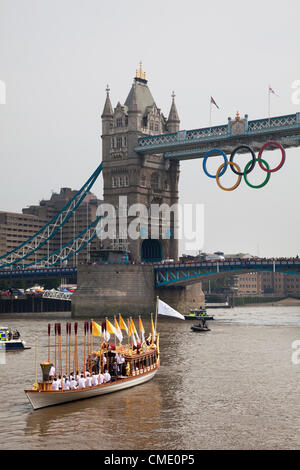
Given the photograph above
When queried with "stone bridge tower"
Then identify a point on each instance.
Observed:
(142, 179)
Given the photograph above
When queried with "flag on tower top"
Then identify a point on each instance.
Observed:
(213, 102)
(272, 91)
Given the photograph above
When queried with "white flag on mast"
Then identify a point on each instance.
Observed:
(165, 309)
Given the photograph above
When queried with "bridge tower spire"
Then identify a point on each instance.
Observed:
(173, 119)
(107, 114)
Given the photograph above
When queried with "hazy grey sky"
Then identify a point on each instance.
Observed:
(56, 58)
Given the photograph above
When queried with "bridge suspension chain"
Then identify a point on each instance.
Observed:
(70, 249)
(46, 233)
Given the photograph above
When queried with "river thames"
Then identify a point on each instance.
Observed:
(235, 387)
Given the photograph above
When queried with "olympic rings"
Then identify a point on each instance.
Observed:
(259, 159)
(246, 147)
(248, 168)
(207, 155)
(238, 172)
(266, 179)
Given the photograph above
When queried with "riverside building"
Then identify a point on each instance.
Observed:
(16, 228)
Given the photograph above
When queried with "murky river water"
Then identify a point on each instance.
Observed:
(234, 387)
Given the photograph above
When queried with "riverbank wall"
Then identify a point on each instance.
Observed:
(32, 304)
(249, 300)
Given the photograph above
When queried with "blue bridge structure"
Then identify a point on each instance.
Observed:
(38, 273)
(181, 145)
(180, 274)
(195, 143)
(173, 274)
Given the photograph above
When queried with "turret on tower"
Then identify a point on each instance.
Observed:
(173, 121)
(107, 114)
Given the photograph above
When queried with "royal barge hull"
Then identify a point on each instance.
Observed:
(43, 399)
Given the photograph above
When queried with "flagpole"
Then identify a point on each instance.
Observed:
(128, 332)
(49, 344)
(115, 341)
(60, 356)
(35, 360)
(70, 332)
(67, 346)
(55, 349)
(91, 351)
(75, 349)
(100, 357)
(210, 109)
(84, 346)
(107, 362)
(269, 103)
(151, 324)
(156, 308)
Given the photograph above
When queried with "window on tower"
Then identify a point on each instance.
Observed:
(154, 182)
(119, 122)
(120, 181)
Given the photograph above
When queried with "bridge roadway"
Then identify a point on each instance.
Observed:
(195, 143)
(37, 273)
(174, 274)
(180, 274)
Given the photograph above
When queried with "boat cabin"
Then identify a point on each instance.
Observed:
(7, 334)
(141, 363)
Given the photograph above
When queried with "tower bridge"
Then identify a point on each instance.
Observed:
(195, 143)
(141, 150)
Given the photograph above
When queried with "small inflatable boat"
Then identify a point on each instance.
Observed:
(200, 328)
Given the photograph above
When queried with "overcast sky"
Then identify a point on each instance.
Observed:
(56, 58)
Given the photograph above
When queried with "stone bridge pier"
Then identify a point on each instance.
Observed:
(110, 289)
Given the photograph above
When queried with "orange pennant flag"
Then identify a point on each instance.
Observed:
(129, 328)
(96, 329)
(153, 329)
(134, 331)
(117, 325)
(110, 328)
(133, 326)
(141, 326)
(123, 325)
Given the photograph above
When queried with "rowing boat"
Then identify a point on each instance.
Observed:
(43, 397)
(138, 363)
